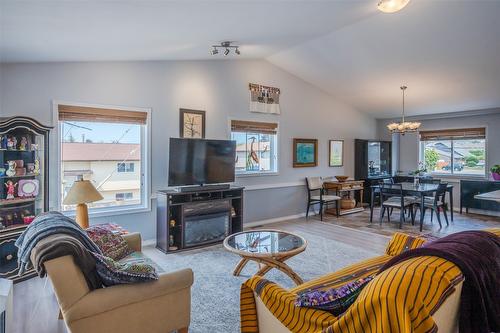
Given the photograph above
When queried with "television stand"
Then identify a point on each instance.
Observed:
(202, 188)
(187, 220)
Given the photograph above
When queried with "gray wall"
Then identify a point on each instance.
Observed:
(220, 88)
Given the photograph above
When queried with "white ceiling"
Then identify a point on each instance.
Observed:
(447, 52)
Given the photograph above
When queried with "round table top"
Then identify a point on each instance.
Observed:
(265, 243)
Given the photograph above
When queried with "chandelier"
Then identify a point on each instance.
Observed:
(227, 48)
(404, 126)
(391, 6)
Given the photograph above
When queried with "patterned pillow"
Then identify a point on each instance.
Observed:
(401, 242)
(111, 244)
(112, 272)
(335, 300)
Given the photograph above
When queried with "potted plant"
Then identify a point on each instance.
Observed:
(495, 171)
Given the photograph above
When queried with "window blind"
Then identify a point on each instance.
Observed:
(253, 126)
(91, 114)
(453, 134)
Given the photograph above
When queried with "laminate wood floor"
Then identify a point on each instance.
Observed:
(36, 310)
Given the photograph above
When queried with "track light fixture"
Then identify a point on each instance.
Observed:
(227, 48)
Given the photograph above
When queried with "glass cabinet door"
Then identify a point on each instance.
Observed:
(22, 175)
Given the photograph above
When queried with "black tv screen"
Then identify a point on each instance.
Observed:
(200, 161)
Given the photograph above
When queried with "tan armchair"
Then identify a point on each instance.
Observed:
(159, 306)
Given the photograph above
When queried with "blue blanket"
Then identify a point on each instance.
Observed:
(44, 225)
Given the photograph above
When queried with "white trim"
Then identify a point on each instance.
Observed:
(273, 220)
(271, 186)
(146, 170)
(149, 242)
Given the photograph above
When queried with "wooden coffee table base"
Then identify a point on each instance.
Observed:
(268, 264)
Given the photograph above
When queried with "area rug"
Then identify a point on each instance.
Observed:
(215, 293)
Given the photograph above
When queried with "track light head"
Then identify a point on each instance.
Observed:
(225, 48)
(215, 51)
(237, 51)
(226, 52)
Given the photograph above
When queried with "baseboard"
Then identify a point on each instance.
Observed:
(273, 220)
(149, 242)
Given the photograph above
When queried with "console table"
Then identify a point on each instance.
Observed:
(187, 220)
(345, 188)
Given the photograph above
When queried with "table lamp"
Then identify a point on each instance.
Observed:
(81, 193)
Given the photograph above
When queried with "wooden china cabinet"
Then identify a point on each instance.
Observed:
(24, 187)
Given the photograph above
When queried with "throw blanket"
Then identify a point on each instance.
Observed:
(60, 245)
(477, 254)
(45, 225)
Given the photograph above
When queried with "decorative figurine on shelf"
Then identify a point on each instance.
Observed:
(30, 167)
(33, 146)
(3, 141)
(1, 223)
(172, 223)
(23, 144)
(10, 189)
(2, 172)
(11, 170)
(36, 169)
(11, 143)
(28, 219)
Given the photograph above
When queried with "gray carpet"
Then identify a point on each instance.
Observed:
(215, 293)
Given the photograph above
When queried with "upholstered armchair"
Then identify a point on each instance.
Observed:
(160, 306)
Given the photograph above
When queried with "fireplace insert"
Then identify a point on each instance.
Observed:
(205, 229)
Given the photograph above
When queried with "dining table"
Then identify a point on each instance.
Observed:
(421, 191)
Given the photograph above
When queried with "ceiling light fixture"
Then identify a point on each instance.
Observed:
(391, 6)
(404, 126)
(227, 48)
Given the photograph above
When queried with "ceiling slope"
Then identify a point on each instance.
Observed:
(447, 52)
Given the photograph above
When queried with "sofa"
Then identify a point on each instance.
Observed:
(418, 295)
(160, 306)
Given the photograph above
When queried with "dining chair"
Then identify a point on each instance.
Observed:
(316, 195)
(391, 196)
(436, 204)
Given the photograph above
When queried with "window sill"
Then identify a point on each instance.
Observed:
(257, 174)
(105, 212)
(455, 176)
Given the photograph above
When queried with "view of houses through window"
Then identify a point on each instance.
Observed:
(455, 156)
(107, 154)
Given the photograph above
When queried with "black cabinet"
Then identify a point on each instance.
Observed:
(372, 162)
(470, 188)
(193, 219)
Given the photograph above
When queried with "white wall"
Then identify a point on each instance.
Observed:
(220, 88)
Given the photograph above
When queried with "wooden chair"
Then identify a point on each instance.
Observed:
(391, 196)
(316, 195)
(436, 204)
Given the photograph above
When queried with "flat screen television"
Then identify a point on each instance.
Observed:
(200, 161)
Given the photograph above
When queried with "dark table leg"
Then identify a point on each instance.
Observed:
(421, 211)
(451, 203)
(371, 204)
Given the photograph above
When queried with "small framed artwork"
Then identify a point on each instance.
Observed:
(305, 153)
(192, 124)
(336, 153)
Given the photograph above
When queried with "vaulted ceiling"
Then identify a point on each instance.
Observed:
(447, 52)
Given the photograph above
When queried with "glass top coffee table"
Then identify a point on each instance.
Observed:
(269, 248)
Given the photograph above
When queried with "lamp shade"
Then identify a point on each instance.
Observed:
(81, 192)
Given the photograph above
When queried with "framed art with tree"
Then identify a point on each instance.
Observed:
(192, 124)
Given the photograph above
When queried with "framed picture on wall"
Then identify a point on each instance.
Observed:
(305, 153)
(336, 153)
(192, 124)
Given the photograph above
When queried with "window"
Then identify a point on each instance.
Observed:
(125, 167)
(256, 147)
(124, 196)
(107, 147)
(454, 152)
